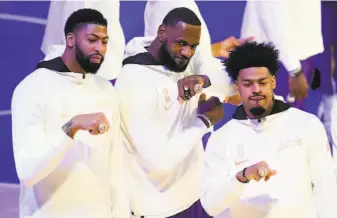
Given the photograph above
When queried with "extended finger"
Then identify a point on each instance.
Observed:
(246, 40)
(209, 104)
(273, 172)
(293, 93)
(300, 94)
(202, 98)
(103, 127)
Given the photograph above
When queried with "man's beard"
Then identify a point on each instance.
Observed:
(167, 60)
(85, 63)
(258, 112)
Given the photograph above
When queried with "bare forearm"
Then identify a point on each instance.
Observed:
(70, 129)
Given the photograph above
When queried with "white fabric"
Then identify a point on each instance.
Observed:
(59, 11)
(294, 27)
(81, 177)
(162, 138)
(333, 123)
(304, 186)
(155, 12)
(279, 97)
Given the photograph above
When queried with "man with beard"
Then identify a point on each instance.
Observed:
(66, 126)
(164, 117)
(282, 167)
(58, 13)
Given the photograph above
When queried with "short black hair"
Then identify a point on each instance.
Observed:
(252, 54)
(181, 15)
(84, 16)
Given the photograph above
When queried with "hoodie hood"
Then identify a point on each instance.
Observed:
(55, 64)
(260, 125)
(53, 60)
(135, 52)
(54, 51)
(137, 45)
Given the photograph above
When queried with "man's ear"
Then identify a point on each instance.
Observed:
(70, 40)
(236, 86)
(161, 33)
(273, 82)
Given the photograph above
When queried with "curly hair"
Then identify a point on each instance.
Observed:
(84, 16)
(252, 54)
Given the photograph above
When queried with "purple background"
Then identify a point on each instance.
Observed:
(21, 43)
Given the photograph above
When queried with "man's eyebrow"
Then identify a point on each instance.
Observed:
(92, 34)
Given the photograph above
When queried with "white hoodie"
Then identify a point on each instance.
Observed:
(164, 152)
(290, 141)
(62, 177)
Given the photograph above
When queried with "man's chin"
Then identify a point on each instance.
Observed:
(258, 111)
(94, 67)
(180, 69)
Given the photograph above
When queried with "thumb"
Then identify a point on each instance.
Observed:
(273, 172)
(202, 98)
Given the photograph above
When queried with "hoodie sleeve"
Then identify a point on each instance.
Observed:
(271, 19)
(36, 154)
(145, 125)
(121, 206)
(322, 170)
(220, 188)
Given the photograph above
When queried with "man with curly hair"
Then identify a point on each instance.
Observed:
(282, 167)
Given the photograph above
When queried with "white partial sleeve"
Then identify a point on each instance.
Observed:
(221, 85)
(322, 170)
(272, 19)
(58, 13)
(35, 154)
(220, 188)
(333, 114)
(158, 151)
(121, 205)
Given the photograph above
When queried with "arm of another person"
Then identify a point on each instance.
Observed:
(121, 206)
(159, 151)
(322, 170)
(272, 16)
(333, 128)
(220, 188)
(58, 13)
(35, 154)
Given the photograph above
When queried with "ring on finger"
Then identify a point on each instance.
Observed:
(198, 88)
(101, 128)
(187, 92)
(263, 172)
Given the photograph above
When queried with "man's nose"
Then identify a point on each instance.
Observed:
(100, 47)
(256, 88)
(186, 52)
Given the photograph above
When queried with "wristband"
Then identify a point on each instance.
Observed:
(295, 73)
(244, 175)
